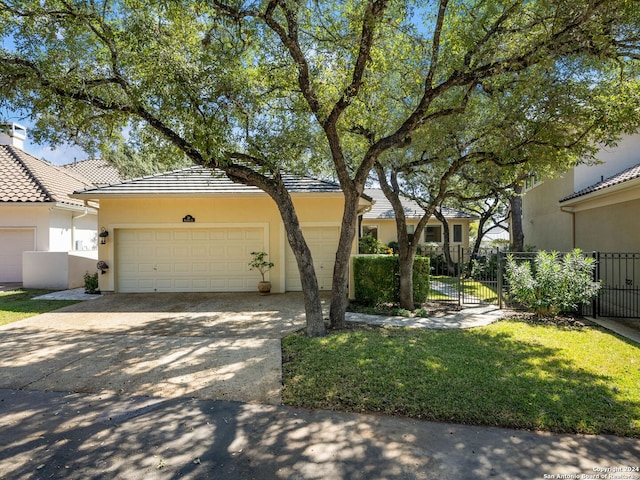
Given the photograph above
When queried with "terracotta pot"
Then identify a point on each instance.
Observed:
(264, 288)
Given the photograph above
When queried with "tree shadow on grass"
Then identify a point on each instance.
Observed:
(470, 377)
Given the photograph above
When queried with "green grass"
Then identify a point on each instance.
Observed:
(18, 304)
(477, 289)
(509, 374)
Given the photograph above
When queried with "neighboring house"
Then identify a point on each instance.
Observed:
(96, 170)
(47, 238)
(380, 222)
(193, 230)
(592, 207)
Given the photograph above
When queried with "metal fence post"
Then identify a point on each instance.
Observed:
(460, 263)
(500, 278)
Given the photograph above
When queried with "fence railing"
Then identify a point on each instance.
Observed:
(461, 276)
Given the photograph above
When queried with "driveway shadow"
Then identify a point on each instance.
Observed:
(209, 346)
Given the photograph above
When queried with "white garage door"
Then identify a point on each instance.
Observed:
(323, 242)
(187, 260)
(14, 241)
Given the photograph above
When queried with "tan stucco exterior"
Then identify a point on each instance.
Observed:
(239, 210)
(387, 229)
(545, 225)
(568, 212)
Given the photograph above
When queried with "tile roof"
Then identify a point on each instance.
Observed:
(96, 170)
(201, 180)
(382, 208)
(621, 177)
(27, 179)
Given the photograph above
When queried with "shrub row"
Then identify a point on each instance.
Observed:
(377, 279)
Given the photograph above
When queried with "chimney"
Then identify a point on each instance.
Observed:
(13, 134)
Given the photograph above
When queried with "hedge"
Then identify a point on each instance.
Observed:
(376, 279)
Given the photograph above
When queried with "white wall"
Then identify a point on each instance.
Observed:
(56, 270)
(616, 159)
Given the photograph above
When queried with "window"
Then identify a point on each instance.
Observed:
(410, 230)
(370, 230)
(457, 233)
(433, 234)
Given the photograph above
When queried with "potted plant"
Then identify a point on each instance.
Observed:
(259, 262)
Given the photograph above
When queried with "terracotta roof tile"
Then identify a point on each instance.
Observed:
(96, 170)
(27, 179)
(624, 176)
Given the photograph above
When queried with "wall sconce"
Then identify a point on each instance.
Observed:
(103, 236)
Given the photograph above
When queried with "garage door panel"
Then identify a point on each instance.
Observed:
(323, 242)
(14, 241)
(187, 260)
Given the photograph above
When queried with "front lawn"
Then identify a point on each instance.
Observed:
(18, 304)
(510, 374)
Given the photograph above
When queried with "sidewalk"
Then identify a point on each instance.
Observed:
(78, 436)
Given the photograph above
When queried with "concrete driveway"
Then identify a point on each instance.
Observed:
(206, 346)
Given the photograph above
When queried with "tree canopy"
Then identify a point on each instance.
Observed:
(257, 87)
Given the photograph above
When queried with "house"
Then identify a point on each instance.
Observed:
(380, 221)
(47, 238)
(193, 230)
(591, 207)
(96, 170)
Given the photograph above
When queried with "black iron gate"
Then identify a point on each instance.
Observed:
(460, 276)
(619, 276)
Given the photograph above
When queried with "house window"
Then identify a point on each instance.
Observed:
(457, 233)
(410, 231)
(433, 234)
(370, 230)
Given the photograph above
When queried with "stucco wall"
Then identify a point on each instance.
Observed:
(613, 228)
(36, 217)
(387, 229)
(614, 160)
(256, 209)
(545, 226)
(56, 270)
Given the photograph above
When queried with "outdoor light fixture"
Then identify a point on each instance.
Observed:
(103, 236)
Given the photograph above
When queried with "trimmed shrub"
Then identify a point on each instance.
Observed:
(91, 283)
(370, 245)
(377, 281)
(552, 284)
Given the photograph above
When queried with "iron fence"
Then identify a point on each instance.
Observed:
(461, 276)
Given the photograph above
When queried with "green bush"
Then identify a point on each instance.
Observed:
(370, 245)
(552, 284)
(377, 281)
(91, 283)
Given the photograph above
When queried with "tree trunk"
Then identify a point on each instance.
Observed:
(275, 188)
(302, 253)
(446, 245)
(405, 259)
(339, 290)
(517, 234)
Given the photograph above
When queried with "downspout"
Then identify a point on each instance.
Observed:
(573, 224)
(73, 227)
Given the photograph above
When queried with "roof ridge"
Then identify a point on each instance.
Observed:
(16, 154)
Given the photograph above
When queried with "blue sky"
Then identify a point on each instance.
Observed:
(58, 155)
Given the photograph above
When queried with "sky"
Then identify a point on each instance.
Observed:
(58, 155)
